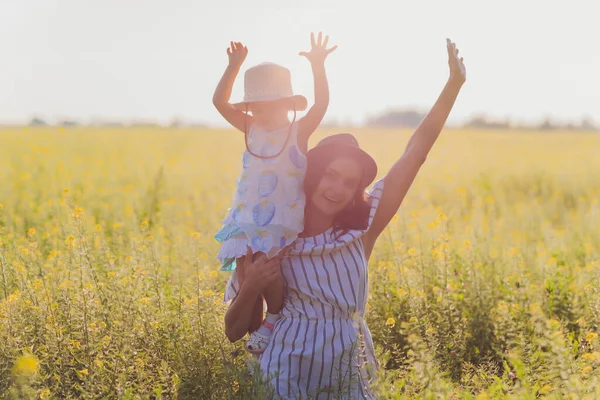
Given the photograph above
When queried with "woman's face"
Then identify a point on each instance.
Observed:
(338, 186)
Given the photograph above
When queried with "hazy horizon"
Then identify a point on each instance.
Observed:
(148, 60)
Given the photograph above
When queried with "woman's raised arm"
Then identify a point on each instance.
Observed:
(402, 174)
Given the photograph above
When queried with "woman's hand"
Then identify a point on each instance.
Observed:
(237, 53)
(246, 307)
(319, 51)
(458, 72)
(262, 272)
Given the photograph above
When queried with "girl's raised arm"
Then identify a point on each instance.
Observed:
(237, 53)
(317, 55)
(402, 174)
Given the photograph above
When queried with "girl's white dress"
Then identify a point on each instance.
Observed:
(267, 213)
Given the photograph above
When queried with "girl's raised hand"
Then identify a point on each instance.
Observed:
(237, 53)
(458, 72)
(319, 51)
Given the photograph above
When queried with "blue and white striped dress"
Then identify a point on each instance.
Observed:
(321, 346)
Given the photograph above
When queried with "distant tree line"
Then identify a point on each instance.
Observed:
(412, 119)
(174, 123)
(388, 119)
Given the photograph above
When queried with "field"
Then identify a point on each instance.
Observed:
(486, 285)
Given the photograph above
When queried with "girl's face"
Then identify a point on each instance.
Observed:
(338, 186)
(265, 112)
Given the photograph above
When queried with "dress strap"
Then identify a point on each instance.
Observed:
(287, 139)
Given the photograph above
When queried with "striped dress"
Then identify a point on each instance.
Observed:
(321, 346)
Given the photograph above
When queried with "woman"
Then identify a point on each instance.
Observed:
(321, 346)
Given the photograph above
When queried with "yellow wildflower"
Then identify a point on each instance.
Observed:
(391, 322)
(78, 213)
(70, 240)
(66, 284)
(592, 336)
(26, 365)
(591, 356)
(545, 389)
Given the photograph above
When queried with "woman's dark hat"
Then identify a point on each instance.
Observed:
(344, 144)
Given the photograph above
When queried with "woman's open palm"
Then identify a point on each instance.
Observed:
(458, 72)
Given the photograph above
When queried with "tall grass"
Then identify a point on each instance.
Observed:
(486, 285)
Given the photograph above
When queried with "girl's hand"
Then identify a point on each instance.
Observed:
(262, 272)
(318, 52)
(458, 72)
(237, 53)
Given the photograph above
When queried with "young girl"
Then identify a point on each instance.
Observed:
(267, 213)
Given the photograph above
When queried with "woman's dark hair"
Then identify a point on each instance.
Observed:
(355, 215)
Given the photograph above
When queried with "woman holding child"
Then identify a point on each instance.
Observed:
(310, 266)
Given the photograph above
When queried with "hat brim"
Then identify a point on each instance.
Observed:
(296, 102)
(334, 150)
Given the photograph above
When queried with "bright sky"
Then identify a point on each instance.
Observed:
(155, 59)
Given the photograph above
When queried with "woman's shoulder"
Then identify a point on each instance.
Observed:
(335, 239)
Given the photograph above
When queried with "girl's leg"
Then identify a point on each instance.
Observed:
(257, 311)
(274, 295)
(257, 316)
(274, 299)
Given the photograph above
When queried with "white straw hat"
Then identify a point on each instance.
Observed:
(270, 82)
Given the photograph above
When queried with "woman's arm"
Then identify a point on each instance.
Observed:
(237, 54)
(243, 311)
(317, 55)
(402, 174)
